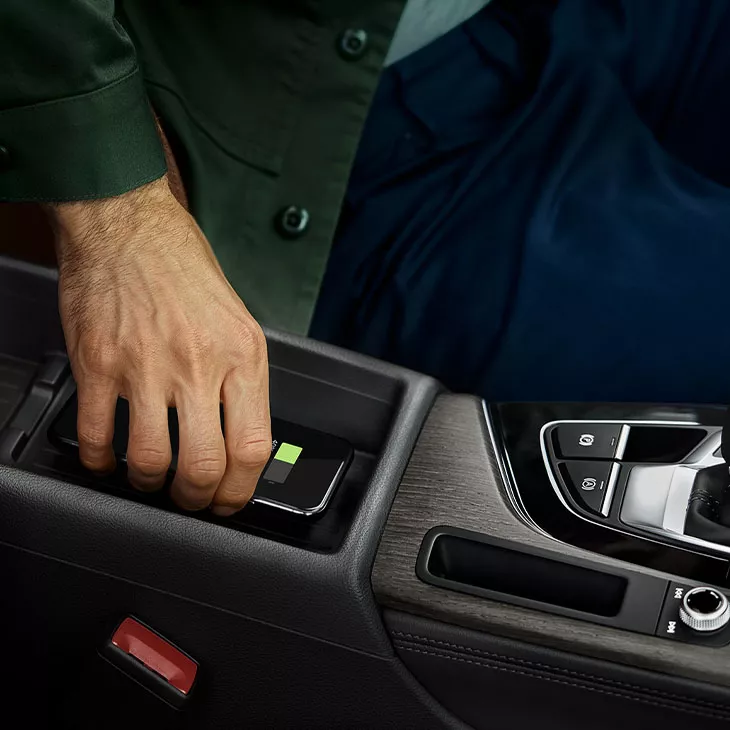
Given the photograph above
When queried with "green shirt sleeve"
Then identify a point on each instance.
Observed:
(75, 122)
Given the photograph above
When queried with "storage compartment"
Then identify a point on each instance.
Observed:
(527, 576)
(250, 598)
(334, 397)
(311, 384)
(469, 562)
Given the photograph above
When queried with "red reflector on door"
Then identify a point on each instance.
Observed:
(156, 654)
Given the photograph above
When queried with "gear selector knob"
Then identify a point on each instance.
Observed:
(704, 609)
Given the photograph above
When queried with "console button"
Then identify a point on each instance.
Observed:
(591, 440)
(672, 624)
(704, 609)
(588, 482)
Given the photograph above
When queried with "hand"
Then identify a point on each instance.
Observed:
(148, 314)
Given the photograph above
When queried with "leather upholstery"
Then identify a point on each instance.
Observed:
(492, 682)
(252, 676)
(708, 512)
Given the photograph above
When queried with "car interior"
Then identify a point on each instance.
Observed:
(414, 558)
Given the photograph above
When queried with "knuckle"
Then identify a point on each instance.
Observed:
(251, 454)
(193, 347)
(149, 462)
(99, 357)
(253, 341)
(204, 469)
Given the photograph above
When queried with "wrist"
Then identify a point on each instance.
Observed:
(79, 221)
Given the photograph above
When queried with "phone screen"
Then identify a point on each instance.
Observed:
(303, 471)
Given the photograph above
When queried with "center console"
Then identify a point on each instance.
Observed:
(549, 549)
(626, 483)
(466, 564)
(635, 472)
(271, 605)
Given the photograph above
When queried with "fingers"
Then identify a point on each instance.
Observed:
(202, 459)
(248, 440)
(97, 398)
(149, 452)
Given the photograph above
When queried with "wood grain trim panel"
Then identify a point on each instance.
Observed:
(453, 479)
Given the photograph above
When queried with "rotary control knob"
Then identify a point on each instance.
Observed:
(704, 609)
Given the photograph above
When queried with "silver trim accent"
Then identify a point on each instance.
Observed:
(705, 621)
(623, 439)
(686, 539)
(704, 454)
(610, 489)
(675, 514)
(657, 496)
(507, 475)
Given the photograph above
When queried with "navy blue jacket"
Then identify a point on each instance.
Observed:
(540, 207)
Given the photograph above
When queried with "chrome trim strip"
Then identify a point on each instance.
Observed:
(704, 454)
(623, 439)
(507, 475)
(610, 489)
(687, 539)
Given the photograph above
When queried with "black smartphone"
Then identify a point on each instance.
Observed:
(302, 474)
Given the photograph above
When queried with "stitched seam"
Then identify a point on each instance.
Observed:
(706, 499)
(92, 196)
(568, 672)
(579, 682)
(554, 680)
(71, 99)
(702, 494)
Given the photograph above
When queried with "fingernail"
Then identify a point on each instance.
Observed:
(223, 511)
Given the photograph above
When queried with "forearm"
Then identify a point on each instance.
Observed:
(74, 116)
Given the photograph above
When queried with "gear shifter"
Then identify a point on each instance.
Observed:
(708, 511)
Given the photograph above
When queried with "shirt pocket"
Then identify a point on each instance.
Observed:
(240, 69)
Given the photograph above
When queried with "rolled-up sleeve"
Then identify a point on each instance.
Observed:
(75, 122)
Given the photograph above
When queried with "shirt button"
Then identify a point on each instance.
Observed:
(4, 157)
(352, 44)
(292, 222)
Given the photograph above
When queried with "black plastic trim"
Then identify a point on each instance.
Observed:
(323, 595)
(517, 437)
(639, 611)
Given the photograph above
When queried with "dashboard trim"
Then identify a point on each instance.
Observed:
(685, 539)
(454, 479)
(505, 471)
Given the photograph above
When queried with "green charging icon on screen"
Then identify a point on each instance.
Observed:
(282, 463)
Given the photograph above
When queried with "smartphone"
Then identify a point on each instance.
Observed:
(301, 475)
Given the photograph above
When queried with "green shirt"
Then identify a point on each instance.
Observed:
(264, 102)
